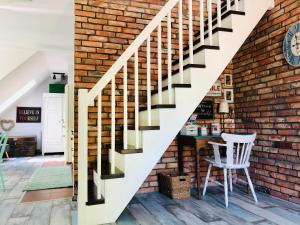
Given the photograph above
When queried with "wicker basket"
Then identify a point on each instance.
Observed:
(175, 185)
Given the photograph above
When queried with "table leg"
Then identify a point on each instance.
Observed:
(198, 173)
(180, 156)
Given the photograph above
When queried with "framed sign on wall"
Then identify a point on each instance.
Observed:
(29, 114)
(215, 90)
(205, 110)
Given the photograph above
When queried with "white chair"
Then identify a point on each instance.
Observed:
(238, 150)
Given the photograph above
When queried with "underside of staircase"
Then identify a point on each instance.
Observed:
(157, 123)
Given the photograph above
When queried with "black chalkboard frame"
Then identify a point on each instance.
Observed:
(37, 113)
(205, 110)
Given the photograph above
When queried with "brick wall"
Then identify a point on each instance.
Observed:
(267, 97)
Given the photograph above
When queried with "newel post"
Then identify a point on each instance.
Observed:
(82, 153)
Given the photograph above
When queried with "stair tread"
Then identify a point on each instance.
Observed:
(146, 128)
(187, 66)
(129, 150)
(92, 195)
(173, 86)
(159, 106)
(106, 172)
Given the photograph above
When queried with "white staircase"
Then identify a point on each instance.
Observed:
(156, 125)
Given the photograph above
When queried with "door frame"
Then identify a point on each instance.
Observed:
(69, 123)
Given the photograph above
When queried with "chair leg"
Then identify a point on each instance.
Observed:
(206, 179)
(230, 179)
(7, 156)
(2, 180)
(250, 184)
(226, 187)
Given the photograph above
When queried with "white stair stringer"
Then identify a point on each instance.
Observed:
(118, 192)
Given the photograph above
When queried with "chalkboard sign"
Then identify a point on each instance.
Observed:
(29, 114)
(205, 110)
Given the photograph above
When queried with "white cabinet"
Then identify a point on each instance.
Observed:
(53, 123)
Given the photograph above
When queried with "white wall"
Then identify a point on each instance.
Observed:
(36, 39)
(31, 73)
(31, 99)
(11, 58)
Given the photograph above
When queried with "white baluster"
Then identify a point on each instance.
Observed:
(113, 126)
(191, 32)
(159, 64)
(125, 99)
(149, 81)
(170, 58)
(136, 97)
(209, 10)
(236, 4)
(202, 22)
(99, 142)
(228, 5)
(180, 42)
(219, 12)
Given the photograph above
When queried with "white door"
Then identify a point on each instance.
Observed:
(53, 122)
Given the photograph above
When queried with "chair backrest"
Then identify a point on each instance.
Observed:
(3, 144)
(238, 148)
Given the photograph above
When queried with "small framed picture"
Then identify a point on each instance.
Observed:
(228, 80)
(228, 95)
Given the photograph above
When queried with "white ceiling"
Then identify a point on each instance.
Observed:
(30, 26)
(38, 24)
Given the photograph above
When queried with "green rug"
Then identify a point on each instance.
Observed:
(49, 177)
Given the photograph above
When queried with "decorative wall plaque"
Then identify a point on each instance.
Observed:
(29, 114)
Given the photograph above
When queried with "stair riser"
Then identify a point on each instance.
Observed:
(165, 97)
(99, 183)
(199, 58)
(132, 137)
(119, 161)
(226, 23)
(202, 59)
(154, 118)
(176, 79)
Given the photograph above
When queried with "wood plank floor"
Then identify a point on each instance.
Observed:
(155, 208)
(144, 209)
(13, 212)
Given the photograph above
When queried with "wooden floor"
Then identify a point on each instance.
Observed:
(145, 209)
(56, 211)
(154, 208)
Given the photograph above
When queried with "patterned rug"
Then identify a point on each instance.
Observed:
(49, 178)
